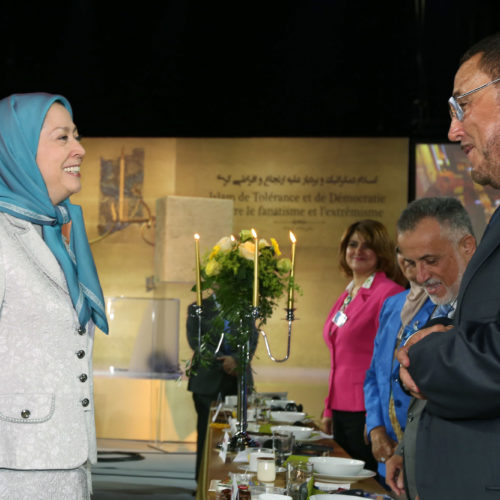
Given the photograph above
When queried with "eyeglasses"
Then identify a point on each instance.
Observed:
(456, 110)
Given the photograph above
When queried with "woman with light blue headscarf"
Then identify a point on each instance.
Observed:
(50, 300)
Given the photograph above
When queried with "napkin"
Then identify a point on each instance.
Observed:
(241, 456)
(296, 458)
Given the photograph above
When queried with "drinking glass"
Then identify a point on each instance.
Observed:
(257, 491)
(283, 442)
(297, 476)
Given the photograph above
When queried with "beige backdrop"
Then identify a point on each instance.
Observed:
(314, 187)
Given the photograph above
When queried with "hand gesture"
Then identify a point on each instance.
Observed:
(404, 359)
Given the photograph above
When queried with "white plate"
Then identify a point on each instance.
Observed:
(313, 437)
(246, 468)
(364, 474)
(329, 486)
(332, 496)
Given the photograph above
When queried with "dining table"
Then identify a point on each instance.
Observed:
(214, 468)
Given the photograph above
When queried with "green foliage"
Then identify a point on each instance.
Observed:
(228, 271)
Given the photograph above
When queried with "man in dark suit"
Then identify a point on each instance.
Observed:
(217, 376)
(458, 370)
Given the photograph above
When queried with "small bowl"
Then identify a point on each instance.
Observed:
(288, 416)
(298, 432)
(336, 466)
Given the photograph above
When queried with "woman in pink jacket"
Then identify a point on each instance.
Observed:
(367, 255)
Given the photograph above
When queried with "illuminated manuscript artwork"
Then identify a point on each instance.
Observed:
(121, 188)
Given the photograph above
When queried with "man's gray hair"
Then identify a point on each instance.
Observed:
(449, 212)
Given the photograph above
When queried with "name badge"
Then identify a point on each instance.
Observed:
(340, 318)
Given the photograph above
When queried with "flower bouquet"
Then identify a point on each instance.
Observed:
(228, 271)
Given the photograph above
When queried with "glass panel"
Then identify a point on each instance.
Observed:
(143, 339)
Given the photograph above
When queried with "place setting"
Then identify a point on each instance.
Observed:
(334, 470)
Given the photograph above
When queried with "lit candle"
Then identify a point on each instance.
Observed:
(292, 272)
(255, 301)
(198, 277)
(266, 469)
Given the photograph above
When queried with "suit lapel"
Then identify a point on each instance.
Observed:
(489, 243)
(362, 296)
(34, 246)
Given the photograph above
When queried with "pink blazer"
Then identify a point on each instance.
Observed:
(351, 345)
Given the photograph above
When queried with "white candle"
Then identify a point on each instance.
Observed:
(292, 272)
(255, 301)
(198, 277)
(266, 469)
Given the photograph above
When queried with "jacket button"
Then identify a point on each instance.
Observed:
(80, 354)
(83, 377)
(397, 403)
(85, 402)
(81, 330)
(25, 414)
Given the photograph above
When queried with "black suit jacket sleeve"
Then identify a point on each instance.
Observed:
(459, 371)
(209, 311)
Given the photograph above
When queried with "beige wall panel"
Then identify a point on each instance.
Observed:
(326, 184)
(178, 218)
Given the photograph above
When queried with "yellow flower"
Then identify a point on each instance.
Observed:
(276, 247)
(247, 249)
(214, 252)
(212, 268)
(284, 265)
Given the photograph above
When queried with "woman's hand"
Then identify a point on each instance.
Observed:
(326, 425)
(382, 445)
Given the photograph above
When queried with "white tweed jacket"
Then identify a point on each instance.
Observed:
(46, 388)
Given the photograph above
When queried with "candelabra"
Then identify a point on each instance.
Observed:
(241, 439)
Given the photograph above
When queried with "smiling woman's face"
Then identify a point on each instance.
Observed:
(59, 154)
(360, 258)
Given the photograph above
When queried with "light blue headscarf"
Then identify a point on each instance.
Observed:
(23, 194)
